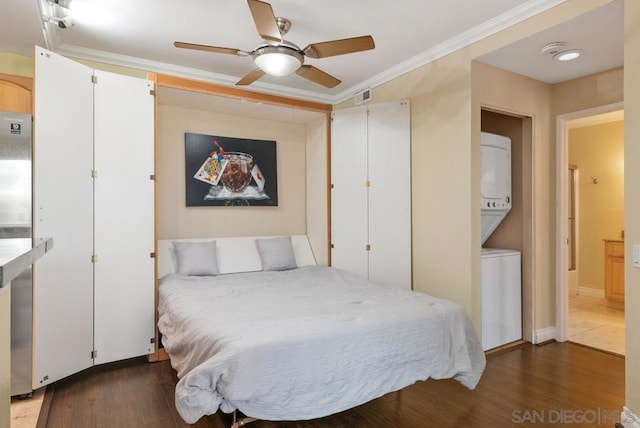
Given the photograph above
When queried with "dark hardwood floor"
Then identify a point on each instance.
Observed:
(534, 385)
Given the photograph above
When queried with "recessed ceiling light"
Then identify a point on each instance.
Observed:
(568, 55)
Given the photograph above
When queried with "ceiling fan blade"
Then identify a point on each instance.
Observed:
(251, 77)
(265, 20)
(339, 47)
(318, 76)
(208, 48)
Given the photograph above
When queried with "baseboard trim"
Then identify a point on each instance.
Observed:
(629, 419)
(590, 292)
(545, 335)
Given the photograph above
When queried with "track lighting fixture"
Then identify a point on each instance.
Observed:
(61, 3)
(63, 23)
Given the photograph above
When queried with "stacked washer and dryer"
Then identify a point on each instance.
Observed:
(501, 271)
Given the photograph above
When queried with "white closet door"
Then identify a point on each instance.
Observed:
(390, 194)
(63, 210)
(349, 192)
(124, 217)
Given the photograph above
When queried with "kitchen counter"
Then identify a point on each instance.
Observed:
(18, 254)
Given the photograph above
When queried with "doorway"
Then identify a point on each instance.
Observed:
(515, 232)
(590, 219)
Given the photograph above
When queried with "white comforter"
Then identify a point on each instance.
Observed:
(306, 343)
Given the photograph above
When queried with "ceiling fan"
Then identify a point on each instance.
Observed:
(279, 57)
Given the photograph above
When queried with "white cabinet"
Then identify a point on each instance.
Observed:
(371, 192)
(93, 193)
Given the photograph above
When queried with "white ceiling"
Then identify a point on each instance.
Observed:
(140, 34)
(599, 33)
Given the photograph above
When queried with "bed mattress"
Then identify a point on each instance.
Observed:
(306, 343)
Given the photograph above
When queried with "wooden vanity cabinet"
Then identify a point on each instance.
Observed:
(614, 273)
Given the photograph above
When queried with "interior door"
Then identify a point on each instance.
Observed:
(63, 210)
(390, 194)
(124, 217)
(349, 235)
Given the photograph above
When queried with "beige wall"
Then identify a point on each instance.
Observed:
(598, 151)
(588, 92)
(445, 127)
(16, 64)
(175, 220)
(632, 199)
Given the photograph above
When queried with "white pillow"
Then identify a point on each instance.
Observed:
(196, 258)
(276, 253)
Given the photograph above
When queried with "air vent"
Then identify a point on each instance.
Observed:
(362, 97)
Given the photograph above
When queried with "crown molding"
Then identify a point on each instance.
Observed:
(486, 29)
(462, 40)
(185, 72)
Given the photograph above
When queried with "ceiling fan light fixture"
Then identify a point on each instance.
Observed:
(278, 60)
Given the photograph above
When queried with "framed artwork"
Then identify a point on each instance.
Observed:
(227, 171)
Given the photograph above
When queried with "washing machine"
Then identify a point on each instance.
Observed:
(501, 280)
(501, 297)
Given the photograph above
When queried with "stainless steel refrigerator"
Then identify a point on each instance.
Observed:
(15, 222)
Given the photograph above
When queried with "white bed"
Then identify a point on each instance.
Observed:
(302, 343)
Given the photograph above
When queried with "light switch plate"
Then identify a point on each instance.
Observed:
(636, 256)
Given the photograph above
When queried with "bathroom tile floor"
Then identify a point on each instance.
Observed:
(593, 324)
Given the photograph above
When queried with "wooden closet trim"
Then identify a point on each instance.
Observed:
(231, 92)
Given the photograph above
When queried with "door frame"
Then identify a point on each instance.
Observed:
(528, 275)
(562, 162)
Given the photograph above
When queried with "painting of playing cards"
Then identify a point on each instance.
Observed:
(228, 171)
